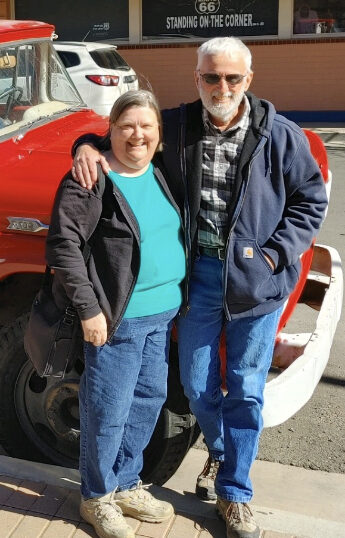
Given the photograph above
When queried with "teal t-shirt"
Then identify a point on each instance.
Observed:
(162, 257)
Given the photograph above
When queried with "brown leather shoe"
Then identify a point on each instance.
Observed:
(205, 481)
(239, 519)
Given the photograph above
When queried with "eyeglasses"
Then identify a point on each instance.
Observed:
(214, 78)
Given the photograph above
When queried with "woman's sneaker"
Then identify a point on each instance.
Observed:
(204, 488)
(106, 517)
(137, 502)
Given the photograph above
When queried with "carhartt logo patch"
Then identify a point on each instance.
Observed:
(248, 252)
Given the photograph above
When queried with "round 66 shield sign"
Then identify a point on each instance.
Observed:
(205, 7)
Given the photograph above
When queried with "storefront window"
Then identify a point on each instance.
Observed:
(80, 20)
(319, 17)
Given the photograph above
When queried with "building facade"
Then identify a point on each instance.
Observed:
(297, 46)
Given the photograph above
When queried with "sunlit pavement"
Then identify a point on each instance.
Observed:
(38, 500)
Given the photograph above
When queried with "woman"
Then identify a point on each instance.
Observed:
(127, 296)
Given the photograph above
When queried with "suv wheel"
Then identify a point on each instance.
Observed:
(39, 417)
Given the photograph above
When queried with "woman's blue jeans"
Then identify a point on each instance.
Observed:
(122, 390)
(231, 424)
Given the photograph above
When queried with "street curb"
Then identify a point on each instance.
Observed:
(40, 472)
(280, 504)
(299, 525)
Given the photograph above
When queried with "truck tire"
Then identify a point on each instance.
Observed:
(175, 432)
(39, 417)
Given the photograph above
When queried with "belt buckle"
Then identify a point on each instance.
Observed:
(221, 253)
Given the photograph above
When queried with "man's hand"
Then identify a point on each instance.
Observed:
(84, 169)
(270, 262)
(95, 330)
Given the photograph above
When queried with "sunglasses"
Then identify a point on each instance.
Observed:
(214, 78)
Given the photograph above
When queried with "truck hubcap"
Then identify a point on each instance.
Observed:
(48, 411)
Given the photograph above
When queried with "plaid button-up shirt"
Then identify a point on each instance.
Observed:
(220, 154)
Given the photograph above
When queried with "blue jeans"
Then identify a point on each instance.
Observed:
(122, 390)
(231, 424)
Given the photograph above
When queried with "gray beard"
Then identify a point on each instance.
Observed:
(222, 112)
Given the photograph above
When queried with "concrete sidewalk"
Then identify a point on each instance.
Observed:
(332, 135)
(41, 501)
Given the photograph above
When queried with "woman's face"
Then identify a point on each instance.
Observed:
(134, 137)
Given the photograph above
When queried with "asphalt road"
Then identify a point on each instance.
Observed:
(315, 437)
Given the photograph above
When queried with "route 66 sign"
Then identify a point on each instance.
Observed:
(205, 7)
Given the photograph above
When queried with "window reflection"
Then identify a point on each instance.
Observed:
(319, 16)
(33, 86)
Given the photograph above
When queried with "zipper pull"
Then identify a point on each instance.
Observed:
(184, 311)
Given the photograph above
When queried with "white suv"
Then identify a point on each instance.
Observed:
(100, 74)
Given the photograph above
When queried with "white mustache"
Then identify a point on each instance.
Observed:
(219, 94)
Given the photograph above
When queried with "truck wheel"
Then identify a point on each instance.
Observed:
(175, 432)
(39, 417)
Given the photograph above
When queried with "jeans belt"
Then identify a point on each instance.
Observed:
(213, 252)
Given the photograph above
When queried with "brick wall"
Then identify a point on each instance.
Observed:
(4, 9)
(294, 75)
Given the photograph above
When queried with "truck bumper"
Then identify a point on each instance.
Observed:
(300, 358)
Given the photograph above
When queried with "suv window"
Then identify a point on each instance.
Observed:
(69, 59)
(109, 59)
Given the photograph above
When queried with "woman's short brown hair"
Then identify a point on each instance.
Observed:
(140, 98)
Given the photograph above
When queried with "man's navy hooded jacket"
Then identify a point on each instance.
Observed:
(277, 206)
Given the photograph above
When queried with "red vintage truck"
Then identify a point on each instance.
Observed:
(41, 114)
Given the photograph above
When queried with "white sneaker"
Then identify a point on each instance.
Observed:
(106, 517)
(137, 502)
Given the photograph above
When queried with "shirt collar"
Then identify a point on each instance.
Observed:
(242, 122)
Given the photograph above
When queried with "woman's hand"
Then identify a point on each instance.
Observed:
(95, 330)
(84, 169)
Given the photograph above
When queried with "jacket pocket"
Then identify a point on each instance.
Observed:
(250, 278)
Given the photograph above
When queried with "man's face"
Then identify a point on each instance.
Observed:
(222, 99)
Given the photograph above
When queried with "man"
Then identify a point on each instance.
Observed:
(254, 200)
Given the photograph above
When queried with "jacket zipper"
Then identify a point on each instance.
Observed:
(236, 217)
(117, 324)
(136, 230)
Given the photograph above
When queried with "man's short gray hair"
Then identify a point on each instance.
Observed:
(231, 46)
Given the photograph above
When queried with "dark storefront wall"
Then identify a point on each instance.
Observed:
(211, 18)
(80, 19)
(182, 19)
